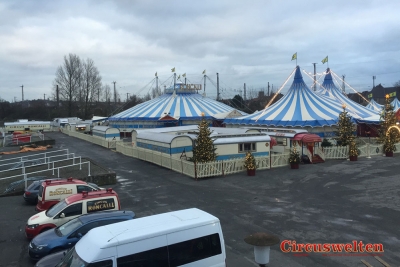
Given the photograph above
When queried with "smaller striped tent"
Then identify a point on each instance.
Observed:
(374, 105)
(340, 97)
(396, 104)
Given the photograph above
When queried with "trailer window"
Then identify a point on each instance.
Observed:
(244, 147)
(281, 141)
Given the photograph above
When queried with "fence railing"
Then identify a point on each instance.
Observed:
(92, 139)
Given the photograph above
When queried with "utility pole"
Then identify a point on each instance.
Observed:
(174, 81)
(127, 97)
(268, 88)
(217, 86)
(58, 98)
(315, 77)
(115, 94)
(343, 86)
(157, 86)
(22, 92)
(373, 81)
(205, 84)
(244, 93)
(44, 96)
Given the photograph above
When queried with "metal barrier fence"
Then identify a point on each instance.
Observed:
(34, 162)
(53, 171)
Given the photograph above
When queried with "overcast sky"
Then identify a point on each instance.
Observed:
(248, 42)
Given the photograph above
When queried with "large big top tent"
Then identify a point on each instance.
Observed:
(180, 105)
(300, 107)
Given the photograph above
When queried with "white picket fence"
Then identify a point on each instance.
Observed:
(200, 170)
(223, 167)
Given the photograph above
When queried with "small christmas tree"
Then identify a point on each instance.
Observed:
(249, 161)
(353, 150)
(387, 135)
(294, 156)
(346, 128)
(204, 150)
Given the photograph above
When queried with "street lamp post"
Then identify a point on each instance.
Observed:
(261, 243)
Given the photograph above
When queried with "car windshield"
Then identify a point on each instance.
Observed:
(69, 227)
(33, 186)
(53, 211)
(71, 259)
(95, 186)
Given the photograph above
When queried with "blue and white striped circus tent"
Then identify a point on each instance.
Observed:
(396, 104)
(339, 96)
(300, 107)
(374, 105)
(179, 105)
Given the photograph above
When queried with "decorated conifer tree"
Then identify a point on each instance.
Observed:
(204, 150)
(388, 136)
(346, 128)
(249, 161)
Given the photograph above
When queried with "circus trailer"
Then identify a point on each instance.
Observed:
(237, 145)
(61, 122)
(106, 132)
(25, 126)
(176, 145)
(280, 137)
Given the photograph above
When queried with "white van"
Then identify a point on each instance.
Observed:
(190, 237)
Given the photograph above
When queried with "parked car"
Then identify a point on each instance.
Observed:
(70, 208)
(52, 192)
(51, 260)
(31, 192)
(66, 235)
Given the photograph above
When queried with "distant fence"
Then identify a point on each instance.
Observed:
(223, 167)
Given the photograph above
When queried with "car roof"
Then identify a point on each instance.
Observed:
(90, 195)
(106, 215)
(51, 179)
(62, 182)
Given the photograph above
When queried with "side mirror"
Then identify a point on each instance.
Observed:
(79, 235)
(62, 215)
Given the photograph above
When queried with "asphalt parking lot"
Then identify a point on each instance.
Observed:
(334, 202)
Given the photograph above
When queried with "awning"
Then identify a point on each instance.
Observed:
(307, 138)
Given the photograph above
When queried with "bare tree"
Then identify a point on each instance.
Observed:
(106, 93)
(68, 79)
(91, 82)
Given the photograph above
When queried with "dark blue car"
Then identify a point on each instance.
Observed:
(68, 234)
